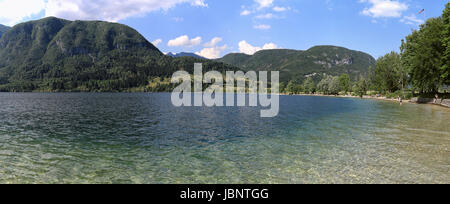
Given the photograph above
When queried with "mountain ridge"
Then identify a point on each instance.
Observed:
(55, 54)
(184, 54)
(297, 65)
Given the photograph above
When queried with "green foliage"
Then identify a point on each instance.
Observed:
(388, 73)
(309, 86)
(283, 87)
(344, 83)
(329, 85)
(445, 69)
(299, 65)
(293, 88)
(52, 54)
(406, 94)
(360, 88)
(422, 54)
(290, 87)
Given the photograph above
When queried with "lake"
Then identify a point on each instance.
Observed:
(142, 138)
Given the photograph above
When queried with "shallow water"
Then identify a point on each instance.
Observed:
(142, 138)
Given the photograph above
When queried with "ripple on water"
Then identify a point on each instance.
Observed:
(141, 138)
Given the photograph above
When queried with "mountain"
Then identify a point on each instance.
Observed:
(56, 54)
(298, 65)
(184, 54)
(3, 29)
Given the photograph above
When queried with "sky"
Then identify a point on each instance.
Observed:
(213, 28)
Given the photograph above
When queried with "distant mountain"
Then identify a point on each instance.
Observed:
(3, 29)
(184, 54)
(298, 65)
(55, 54)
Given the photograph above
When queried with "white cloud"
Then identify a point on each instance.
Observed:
(109, 10)
(270, 46)
(178, 19)
(212, 52)
(262, 27)
(384, 8)
(200, 3)
(157, 42)
(265, 16)
(213, 42)
(248, 49)
(264, 3)
(245, 13)
(184, 41)
(280, 9)
(15, 11)
(412, 20)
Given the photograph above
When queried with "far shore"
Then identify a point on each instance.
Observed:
(382, 98)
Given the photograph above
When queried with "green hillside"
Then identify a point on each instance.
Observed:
(55, 54)
(298, 65)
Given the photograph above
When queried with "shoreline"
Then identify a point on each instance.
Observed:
(411, 101)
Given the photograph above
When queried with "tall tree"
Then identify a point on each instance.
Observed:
(422, 54)
(360, 88)
(388, 72)
(329, 85)
(309, 85)
(445, 69)
(344, 83)
(290, 87)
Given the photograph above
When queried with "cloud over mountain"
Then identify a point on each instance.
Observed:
(110, 10)
(184, 41)
(212, 52)
(249, 49)
(15, 11)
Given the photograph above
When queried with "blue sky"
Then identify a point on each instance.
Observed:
(213, 28)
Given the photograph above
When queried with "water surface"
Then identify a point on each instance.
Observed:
(142, 138)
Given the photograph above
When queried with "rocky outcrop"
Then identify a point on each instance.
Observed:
(345, 61)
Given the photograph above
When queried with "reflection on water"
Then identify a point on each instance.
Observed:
(142, 138)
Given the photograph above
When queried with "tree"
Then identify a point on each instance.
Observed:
(290, 88)
(329, 85)
(309, 86)
(334, 86)
(388, 73)
(344, 83)
(282, 87)
(298, 89)
(422, 54)
(322, 86)
(371, 80)
(445, 69)
(360, 88)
